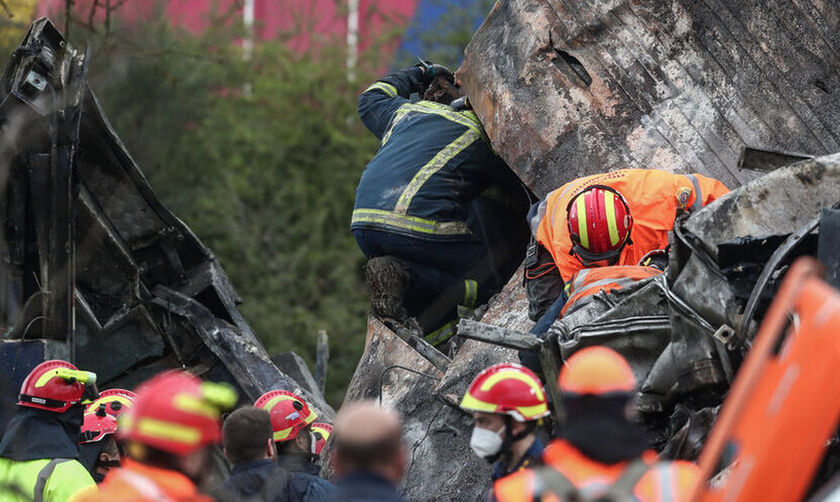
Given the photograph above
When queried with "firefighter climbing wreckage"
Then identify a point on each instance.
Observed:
(443, 220)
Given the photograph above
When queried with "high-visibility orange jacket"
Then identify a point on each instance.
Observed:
(589, 281)
(137, 482)
(663, 482)
(653, 197)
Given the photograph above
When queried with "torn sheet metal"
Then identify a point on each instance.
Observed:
(92, 258)
(567, 88)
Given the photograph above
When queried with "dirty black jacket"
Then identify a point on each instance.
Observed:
(433, 161)
(304, 483)
(365, 487)
(259, 480)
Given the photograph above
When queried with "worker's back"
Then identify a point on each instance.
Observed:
(642, 480)
(652, 196)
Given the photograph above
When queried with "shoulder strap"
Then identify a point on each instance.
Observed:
(622, 489)
(44, 476)
(549, 480)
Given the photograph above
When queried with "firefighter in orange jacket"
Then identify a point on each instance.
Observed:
(600, 454)
(614, 218)
(168, 433)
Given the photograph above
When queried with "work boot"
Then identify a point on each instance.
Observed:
(386, 277)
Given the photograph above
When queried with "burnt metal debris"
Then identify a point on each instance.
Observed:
(93, 264)
(746, 93)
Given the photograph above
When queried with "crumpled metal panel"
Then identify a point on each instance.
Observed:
(573, 87)
(145, 294)
(778, 203)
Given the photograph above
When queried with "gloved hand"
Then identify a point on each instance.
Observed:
(431, 71)
(658, 259)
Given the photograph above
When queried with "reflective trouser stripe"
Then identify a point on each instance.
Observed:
(470, 292)
(433, 166)
(413, 223)
(44, 476)
(698, 194)
(441, 334)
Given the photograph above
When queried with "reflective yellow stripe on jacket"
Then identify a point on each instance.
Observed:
(399, 217)
(68, 479)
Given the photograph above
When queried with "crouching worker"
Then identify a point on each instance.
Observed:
(39, 459)
(249, 447)
(616, 218)
(291, 425)
(168, 434)
(439, 215)
(98, 446)
(369, 455)
(508, 402)
(601, 454)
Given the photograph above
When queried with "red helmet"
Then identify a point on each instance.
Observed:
(116, 401)
(596, 371)
(54, 386)
(289, 413)
(599, 224)
(176, 412)
(322, 434)
(509, 389)
(97, 425)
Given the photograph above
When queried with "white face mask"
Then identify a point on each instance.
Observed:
(486, 443)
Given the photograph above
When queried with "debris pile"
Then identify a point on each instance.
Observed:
(571, 88)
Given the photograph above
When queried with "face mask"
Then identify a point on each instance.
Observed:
(486, 443)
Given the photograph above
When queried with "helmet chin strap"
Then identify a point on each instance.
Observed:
(505, 452)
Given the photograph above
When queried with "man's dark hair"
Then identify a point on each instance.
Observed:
(358, 456)
(245, 434)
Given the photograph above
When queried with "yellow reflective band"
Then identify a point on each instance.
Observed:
(283, 397)
(466, 119)
(583, 232)
(385, 87)
(413, 223)
(538, 410)
(471, 403)
(612, 227)
(195, 405)
(66, 374)
(398, 116)
(441, 334)
(322, 431)
(470, 292)
(436, 164)
(515, 375)
(282, 435)
(168, 431)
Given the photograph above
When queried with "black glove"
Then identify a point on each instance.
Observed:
(432, 71)
(658, 259)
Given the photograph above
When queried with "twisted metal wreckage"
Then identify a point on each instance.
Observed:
(94, 268)
(564, 88)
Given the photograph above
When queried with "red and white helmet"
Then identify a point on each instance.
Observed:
(599, 224)
(54, 386)
(177, 412)
(116, 401)
(289, 413)
(507, 389)
(322, 434)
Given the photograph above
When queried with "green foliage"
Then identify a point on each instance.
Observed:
(264, 177)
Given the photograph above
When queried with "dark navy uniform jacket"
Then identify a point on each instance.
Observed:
(432, 162)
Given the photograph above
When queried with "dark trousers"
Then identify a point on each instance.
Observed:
(437, 270)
